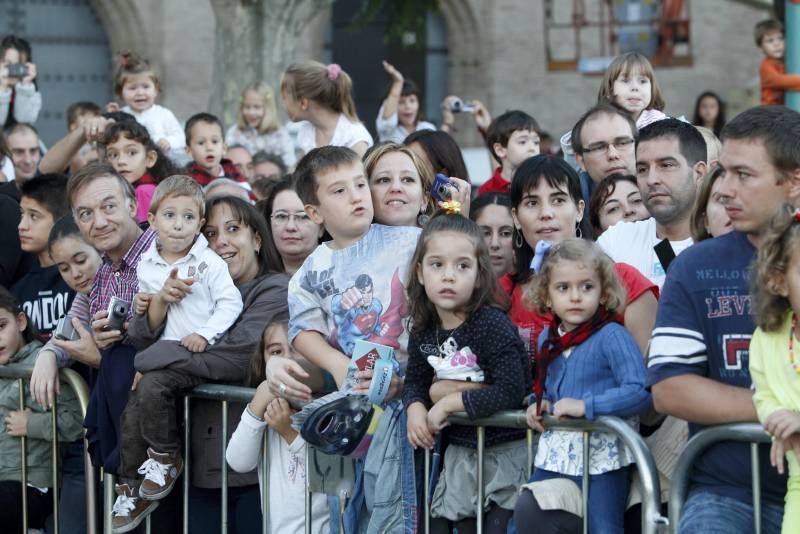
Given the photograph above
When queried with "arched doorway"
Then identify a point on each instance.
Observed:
(71, 52)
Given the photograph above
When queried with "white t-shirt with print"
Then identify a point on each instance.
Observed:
(633, 242)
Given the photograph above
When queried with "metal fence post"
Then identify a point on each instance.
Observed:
(24, 463)
(187, 455)
(587, 437)
(224, 503)
(55, 462)
(481, 446)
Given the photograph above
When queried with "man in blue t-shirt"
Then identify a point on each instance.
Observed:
(698, 359)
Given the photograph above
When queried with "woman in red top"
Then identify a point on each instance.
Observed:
(547, 205)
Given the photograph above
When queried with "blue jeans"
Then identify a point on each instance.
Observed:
(384, 494)
(608, 495)
(709, 513)
(72, 501)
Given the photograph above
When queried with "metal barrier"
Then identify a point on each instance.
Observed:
(652, 520)
(748, 432)
(22, 373)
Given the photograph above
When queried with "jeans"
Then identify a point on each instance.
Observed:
(72, 500)
(244, 510)
(376, 505)
(608, 494)
(709, 513)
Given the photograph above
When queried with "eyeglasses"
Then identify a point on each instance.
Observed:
(602, 147)
(282, 217)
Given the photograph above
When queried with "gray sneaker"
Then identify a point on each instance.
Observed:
(129, 509)
(160, 471)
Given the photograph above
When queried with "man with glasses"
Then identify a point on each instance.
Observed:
(603, 140)
(670, 162)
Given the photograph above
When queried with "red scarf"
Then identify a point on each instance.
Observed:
(555, 345)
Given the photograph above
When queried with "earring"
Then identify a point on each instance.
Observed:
(578, 231)
(422, 219)
(518, 239)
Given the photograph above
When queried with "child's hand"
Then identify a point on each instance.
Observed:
(393, 72)
(777, 454)
(262, 398)
(417, 426)
(112, 107)
(194, 343)
(568, 407)
(782, 423)
(17, 422)
(437, 418)
(365, 381)
(140, 302)
(535, 421)
(163, 144)
(31, 75)
(174, 288)
(278, 416)
(136, 379)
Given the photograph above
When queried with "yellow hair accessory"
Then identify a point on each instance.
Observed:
(451, 207)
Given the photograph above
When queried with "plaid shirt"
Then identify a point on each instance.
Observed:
(119, 280)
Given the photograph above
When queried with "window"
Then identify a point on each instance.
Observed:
(585, 35)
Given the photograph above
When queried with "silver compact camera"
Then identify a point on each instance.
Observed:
(117, 313)
(459, 106)
(64, 329)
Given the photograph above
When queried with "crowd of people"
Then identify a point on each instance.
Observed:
(644, 267)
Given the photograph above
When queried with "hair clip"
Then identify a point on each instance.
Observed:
(796, 214)
(451, 207)
(333, 70)
(539, 254)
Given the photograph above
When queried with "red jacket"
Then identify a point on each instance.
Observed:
(204, 178)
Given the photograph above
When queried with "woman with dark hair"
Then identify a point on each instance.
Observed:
(709, 111)
(441, 151)
(547, 206)
(492, 213)
(293, 233)
(237, 232)
(616, 198)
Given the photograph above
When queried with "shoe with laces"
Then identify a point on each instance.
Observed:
(129, 509)
(160, 471)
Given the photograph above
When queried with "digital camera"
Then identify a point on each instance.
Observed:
(459, 106)
(64, 329)
(441, 188)
(17, 70)
(117, 313)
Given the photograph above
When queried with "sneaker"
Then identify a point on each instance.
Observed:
(129, 510)
(160, 471)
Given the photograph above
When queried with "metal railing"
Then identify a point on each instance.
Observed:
(746, 432)
(652, 520)
(22, 373)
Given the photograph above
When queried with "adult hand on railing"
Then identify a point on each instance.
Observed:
(17, 422)
(44, 379)
(417, 426)
(83, 349)
(283, 376)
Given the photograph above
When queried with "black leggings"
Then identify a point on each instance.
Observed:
(495, 521)
(529, 517)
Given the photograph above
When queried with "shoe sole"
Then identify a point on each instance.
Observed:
(138, 521)
(157, 496)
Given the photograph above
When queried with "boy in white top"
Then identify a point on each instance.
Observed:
(186, 288)
(670, 161)
(181, 251)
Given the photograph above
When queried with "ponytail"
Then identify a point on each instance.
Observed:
(329, 86)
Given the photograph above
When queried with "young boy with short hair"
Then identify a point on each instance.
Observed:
(512, 138)
(44, 295)
(350, 289)
(774, 80)
(186, 287)
(205, 144)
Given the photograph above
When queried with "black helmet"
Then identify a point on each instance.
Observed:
(338, 424)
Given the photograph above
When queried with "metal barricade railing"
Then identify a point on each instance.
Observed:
(679, 484)
(22, 374)
(652, 520)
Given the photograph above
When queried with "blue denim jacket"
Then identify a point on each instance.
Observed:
(384, 493)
